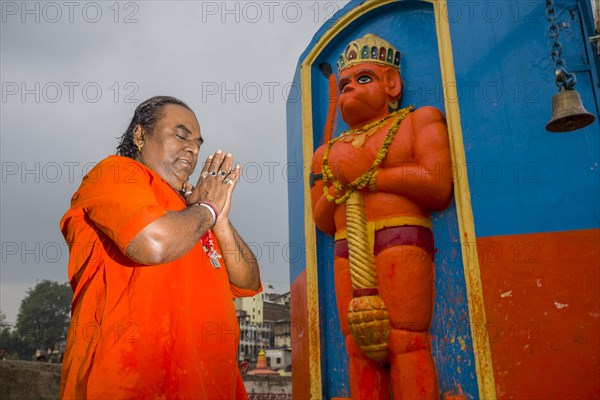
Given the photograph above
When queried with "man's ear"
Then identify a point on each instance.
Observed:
(393, 83)
(138, 136)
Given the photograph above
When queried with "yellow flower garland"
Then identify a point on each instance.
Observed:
(364, 179)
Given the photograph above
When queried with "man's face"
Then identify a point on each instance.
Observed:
(363, 96)
(171, 149)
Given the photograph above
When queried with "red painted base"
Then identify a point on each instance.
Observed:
(542, 300)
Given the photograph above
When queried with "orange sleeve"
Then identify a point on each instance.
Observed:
(238, 292)
(118, 196)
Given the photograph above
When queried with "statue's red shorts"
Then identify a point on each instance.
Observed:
(405, 235)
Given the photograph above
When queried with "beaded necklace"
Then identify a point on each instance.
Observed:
(364, 179)
(372, 124)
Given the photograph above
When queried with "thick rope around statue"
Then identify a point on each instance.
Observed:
(367, 314)
(362, 262)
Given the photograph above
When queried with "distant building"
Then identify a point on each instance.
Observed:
(282, 299)
(278, 359)
(282, 337)
(252, 306)
(265, 325)
(253, 337)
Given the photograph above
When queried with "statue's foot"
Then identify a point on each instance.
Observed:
(454, 396)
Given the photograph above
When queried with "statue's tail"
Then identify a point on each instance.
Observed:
(331, 120)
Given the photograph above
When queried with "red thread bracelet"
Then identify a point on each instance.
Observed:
(214, 208)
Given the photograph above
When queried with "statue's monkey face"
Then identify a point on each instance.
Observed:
(366, 89)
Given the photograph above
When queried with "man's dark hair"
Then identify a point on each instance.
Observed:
(146, 115)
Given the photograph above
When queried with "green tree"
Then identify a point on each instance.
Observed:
(5, 335)
(43, 318)
(10, 343)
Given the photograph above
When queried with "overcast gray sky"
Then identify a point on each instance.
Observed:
(72, 74)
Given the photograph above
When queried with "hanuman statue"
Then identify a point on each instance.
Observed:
(374, 187)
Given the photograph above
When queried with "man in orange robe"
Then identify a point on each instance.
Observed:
(155, 325)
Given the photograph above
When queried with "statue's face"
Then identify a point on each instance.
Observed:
(363, 94)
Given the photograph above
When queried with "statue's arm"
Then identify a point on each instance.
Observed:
(323, 210)
(428, 180)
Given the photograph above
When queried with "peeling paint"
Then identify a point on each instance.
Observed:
(560, 305)
(463, 345)
(539, 282)
(506, 294)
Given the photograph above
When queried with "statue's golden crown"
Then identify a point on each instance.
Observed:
(369, 48)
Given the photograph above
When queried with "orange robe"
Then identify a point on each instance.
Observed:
(165, 331)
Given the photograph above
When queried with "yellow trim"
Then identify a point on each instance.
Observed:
(312, 285)
(398, 221)
(481, 345)
(388, 222)
(466, 225)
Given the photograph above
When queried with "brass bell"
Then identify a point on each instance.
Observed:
(568, 113)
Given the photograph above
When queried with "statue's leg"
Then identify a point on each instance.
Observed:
(368, 380)
(406, 283)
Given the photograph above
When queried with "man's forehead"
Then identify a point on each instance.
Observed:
(177, 114)
(176, 109)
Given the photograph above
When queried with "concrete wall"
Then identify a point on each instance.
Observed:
(22, 380)
(277, 387)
